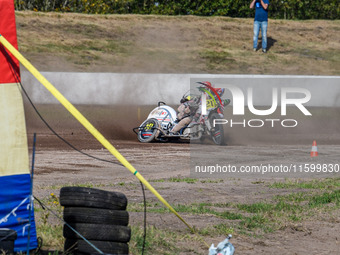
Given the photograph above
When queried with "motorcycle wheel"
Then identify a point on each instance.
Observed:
(217, 132)
(148, 130)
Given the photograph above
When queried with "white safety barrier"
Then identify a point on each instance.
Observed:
(148, 89)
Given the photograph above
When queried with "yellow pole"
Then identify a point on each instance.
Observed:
(87, 124)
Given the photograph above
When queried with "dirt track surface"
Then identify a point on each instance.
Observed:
(57, 165)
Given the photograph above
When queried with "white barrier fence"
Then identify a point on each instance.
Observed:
(148, 89)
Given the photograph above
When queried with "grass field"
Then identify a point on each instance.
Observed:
(176, 44)
(300, 202)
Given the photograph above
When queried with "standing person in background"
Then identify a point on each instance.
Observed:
(260, 21)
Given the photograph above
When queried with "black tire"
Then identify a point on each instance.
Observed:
(148, 130)
(95, 216)
(216, 132)
(99, 232)
(89, 197)
(7, 239)
(82, 247)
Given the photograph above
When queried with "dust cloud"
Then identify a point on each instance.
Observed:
(117, 122)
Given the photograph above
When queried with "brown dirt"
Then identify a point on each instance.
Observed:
(57, 165)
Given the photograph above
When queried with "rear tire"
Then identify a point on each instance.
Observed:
(217, 132)
(148, 130)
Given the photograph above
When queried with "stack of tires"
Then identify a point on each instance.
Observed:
(99, 216)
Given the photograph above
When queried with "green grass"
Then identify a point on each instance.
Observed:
(315, 198)
(222, 229)
(256, 208)
(212, 181)
(188, 180)
(177, 179)
(293, 197)
(197, 209)
(257, 222)
(52, 236)
(157, 241)
(48, 226)
(261, 217)
(332, 197)
(329, 183)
